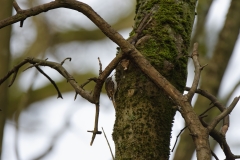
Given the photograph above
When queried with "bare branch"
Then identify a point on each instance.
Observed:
(18, 10)
(202, 114)
(187, 111)
(127, 49)
(75, 97)
(214, 155)
(95, 131)
(54, 84)
(13, 71)
(71, 4)
(58, 67)
(221, 139)
(16, 7)
(198, 70)
(88, 81)
(108, 143)
(223, 114)
(54, 65)
(68, 58)
(91, 97)
(125, 46)
(100, 66)
(216, 103)
(178, 137)
(229, 95)
(211, 97)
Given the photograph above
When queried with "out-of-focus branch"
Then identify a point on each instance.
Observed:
(5, 58)
(229, 95)
(23, 102)
(202, 13)
(223, 49)
(57, 135)
(71, 4)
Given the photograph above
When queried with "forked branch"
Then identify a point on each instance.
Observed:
(198, 69)
(92, 97)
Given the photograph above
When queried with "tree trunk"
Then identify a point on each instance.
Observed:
(144, 113)
(5, 34)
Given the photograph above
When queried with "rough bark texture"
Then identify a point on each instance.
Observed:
(5, 33)
(144, 113)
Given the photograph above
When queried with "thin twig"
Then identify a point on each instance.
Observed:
(178, 137)
(229, 95)
(53, 83)
(75, 97)
(197, 72)
(108, 143)
(68, 58)
(223, 114)
(36, 64)
(209, 96)
(58, 67)
(91, 97)
(214, 155)
(216, 103)
(13, 78)
(206, 111)
(18, 10)
(16, 6)
(237, 156)
(142, 25)
(100, 66)
(95, 131)
(88, 81)
(13, 71)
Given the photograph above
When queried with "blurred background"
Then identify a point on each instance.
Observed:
(40, 126)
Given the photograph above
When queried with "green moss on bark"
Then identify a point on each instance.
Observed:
(144, 113)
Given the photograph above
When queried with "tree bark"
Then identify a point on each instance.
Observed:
(144, 113)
